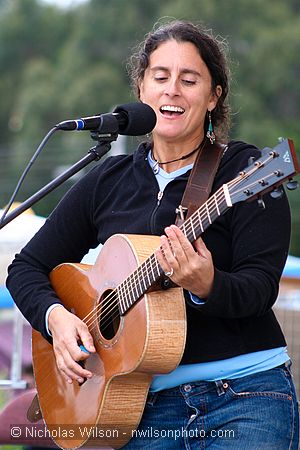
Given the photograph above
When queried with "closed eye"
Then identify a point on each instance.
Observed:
(160, 79)
(189, 82)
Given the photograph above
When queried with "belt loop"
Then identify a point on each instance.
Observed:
(288, 363)
(220, 387)
(151, 399)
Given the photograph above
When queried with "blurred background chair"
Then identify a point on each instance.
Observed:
(13, 417)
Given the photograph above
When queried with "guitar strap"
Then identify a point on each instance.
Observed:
(34, 413)
(200, 180)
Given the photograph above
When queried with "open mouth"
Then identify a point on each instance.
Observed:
(169, 110)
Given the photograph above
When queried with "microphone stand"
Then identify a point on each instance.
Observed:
(95, 153)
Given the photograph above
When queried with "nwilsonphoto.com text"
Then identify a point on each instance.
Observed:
(40, 432)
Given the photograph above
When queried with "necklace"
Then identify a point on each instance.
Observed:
(158, 163)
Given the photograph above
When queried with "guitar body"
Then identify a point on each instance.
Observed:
(147, 340)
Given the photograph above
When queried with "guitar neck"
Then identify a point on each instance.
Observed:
(203, 217)
(149, 272)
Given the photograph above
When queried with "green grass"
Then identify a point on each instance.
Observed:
(10, 447)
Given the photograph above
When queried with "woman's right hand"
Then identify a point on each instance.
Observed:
(67, 332)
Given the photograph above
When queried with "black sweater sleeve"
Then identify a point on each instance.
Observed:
(258, 242)
(260, 248)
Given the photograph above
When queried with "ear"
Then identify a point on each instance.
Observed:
(215, 95)
(141, 91)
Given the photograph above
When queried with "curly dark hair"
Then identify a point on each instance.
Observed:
(211, 50)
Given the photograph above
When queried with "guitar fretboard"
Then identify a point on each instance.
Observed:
(149, 272)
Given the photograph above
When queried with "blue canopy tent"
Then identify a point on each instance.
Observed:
(292, 267)
(12, 343)
(5, 298)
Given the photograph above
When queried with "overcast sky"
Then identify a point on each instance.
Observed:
(64, 3)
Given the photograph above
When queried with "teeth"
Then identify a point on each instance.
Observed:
(170, 108)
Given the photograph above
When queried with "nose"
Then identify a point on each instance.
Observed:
(172, 88)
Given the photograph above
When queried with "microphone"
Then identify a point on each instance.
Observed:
(132, 119)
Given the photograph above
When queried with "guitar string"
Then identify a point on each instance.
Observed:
(189, 229)
(128, 289)
(112, 300)
(133, 287)
(253, 184)
(131, 284)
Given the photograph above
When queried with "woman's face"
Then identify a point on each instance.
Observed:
(178, 86)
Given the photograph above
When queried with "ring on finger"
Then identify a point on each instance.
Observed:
(169, 273)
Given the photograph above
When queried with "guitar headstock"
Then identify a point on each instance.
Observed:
(266, 173)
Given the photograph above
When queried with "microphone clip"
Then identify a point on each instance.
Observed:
(108, 129)
(106, 133)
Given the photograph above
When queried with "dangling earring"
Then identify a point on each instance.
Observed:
(210, 132)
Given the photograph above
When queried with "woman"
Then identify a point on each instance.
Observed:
(233, 386)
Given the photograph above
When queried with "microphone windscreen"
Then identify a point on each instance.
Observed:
(140, 119)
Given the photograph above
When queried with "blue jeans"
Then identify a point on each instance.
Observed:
(258, 411)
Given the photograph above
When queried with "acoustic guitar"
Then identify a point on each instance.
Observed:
(138, 329)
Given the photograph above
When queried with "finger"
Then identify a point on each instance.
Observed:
(62, 365)
(201, 248)
(87, 344)
(182, 247)
(68, 353)
(75, 359)
(162, 261)
(169, 252)
(76, 339)
(71, 369)
(174, 249)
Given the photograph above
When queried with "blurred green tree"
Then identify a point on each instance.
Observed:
(62, 63)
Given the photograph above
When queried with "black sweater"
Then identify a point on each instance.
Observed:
(249, 246)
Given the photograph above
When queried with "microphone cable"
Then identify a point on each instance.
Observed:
(26, 170)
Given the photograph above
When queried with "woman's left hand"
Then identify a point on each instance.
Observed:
(189, 266)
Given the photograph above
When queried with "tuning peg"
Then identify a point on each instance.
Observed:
(292, 184)
(276, 193)
(261, 203)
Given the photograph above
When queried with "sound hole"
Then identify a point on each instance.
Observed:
(109, 315)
